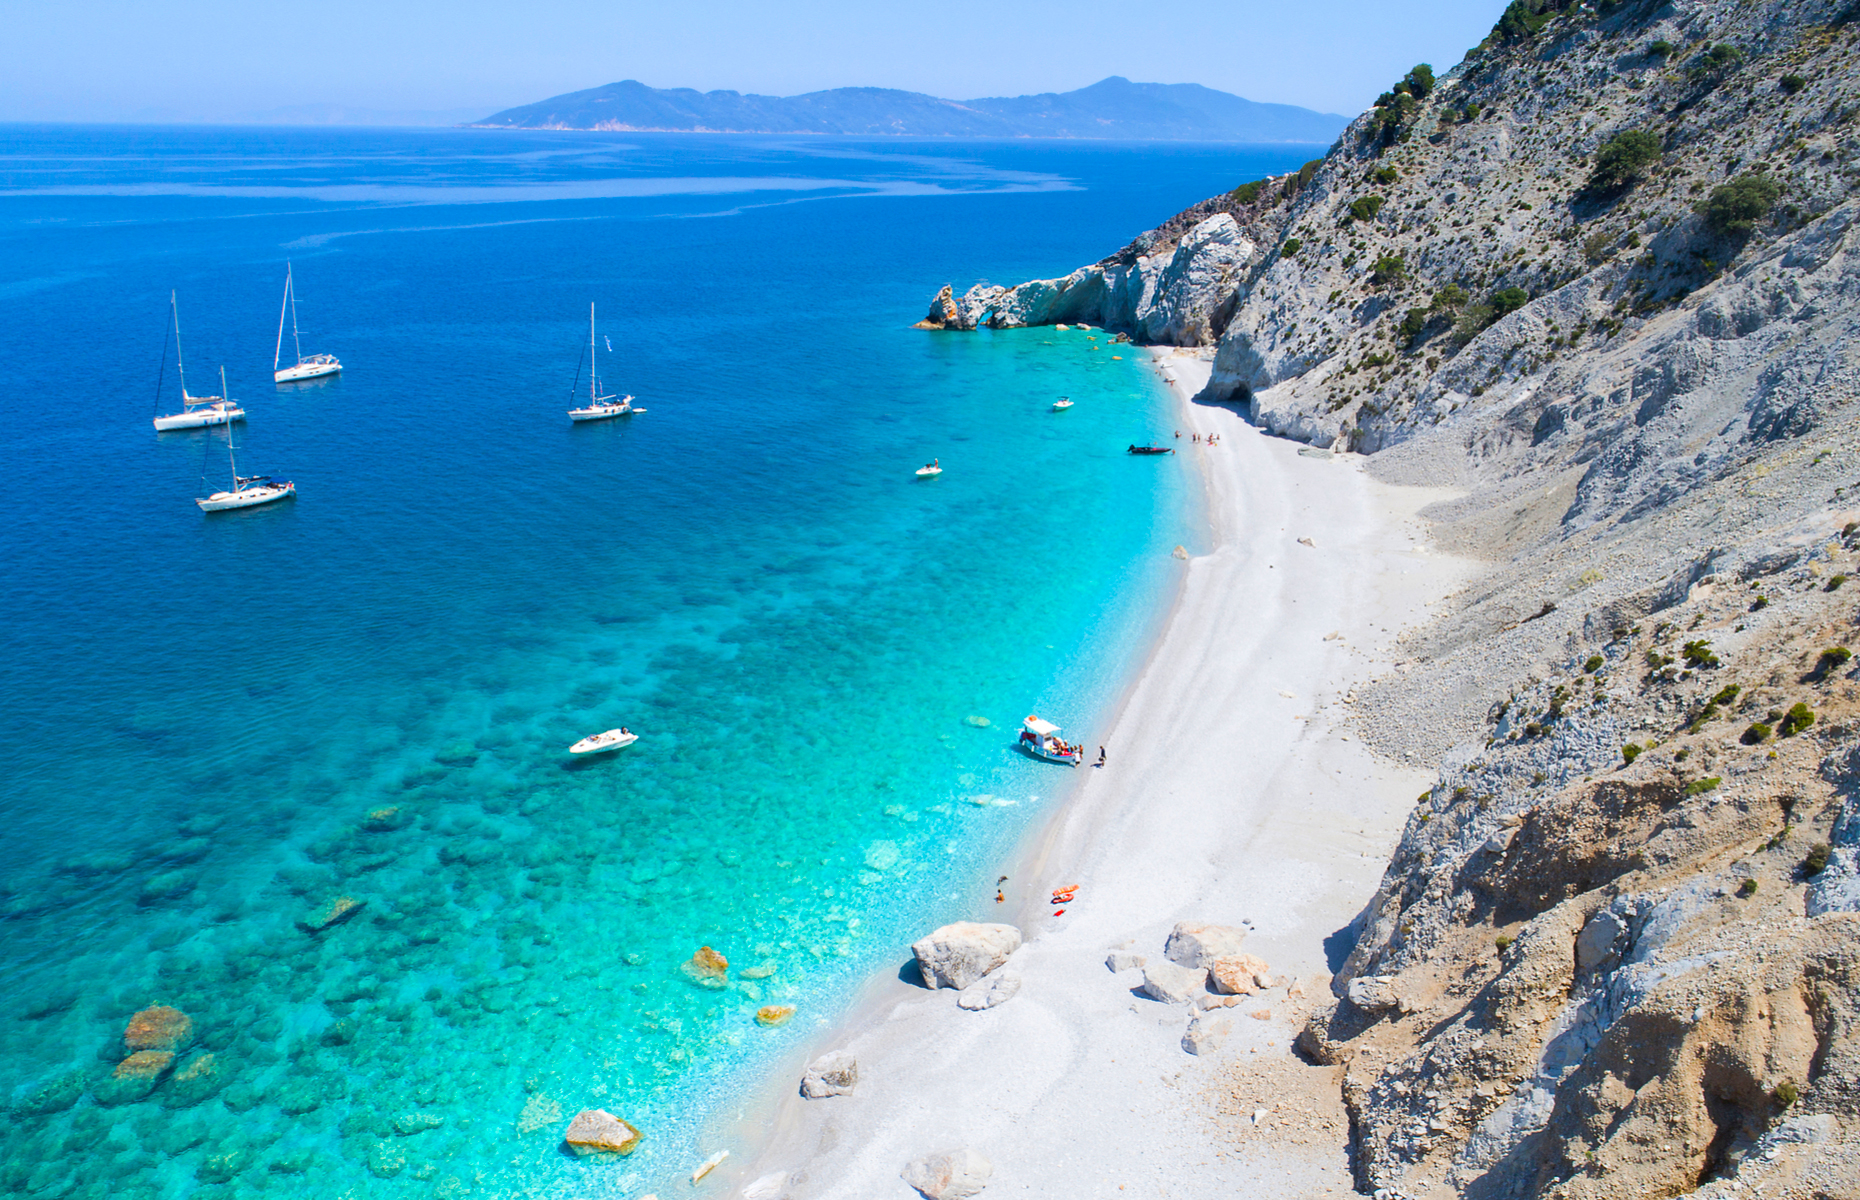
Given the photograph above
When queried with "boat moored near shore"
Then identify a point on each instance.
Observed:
(1041, 739)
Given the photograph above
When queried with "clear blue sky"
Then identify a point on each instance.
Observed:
(208, 59)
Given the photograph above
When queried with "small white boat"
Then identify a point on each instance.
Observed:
(196, 411)
(316, 365)
(248, 491)
(1061, 404)
(599, 407)
(1041, 739)
(931, 469)
(613, 739)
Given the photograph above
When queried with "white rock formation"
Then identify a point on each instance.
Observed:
(835, 1074)
(949, 1174)
(1197, 944)
(1123, 960)
(988, 992)
(957, 955)
(597, 1131)
(1206, 1034)
(1374, 993)
(1174, 984)
(1239, 974)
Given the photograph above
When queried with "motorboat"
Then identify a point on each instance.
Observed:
(314, 366)
(196, 411)
(1152, 450)
(1061, 404)
(599, 407)
(1041, 739)
(931, 469)
(248, 491)
(613, 739)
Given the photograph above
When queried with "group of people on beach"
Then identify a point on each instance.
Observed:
(1211, 439)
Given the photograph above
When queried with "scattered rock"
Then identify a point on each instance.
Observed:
(949, 1174)
(1595, 945)
(707, 968)
(977, 722)
(769, 1187)
(158, 1028)
(1374, 993)
(774, 1014)
(1181, 552)
(708, 1165)
(1264, 1014)
(1307, 542)
(409, 1123)
(1195, 944)
(759, 971)
(1239, 974)
(1172, 984)
(539, 1112)
(1123, 960)
(835, 1074)
(334, 913)
(957, 955)
(1206, 1034)
(386, 1160)
(384, 820)
(198, 1079)
(597, 1131)
(988, 992)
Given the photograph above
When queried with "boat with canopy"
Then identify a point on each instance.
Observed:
(248, 491)
(599, 407)
(1041, 739)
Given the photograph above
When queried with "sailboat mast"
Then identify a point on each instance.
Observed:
(230, 460)
(594, 387)
(279, 352)
(291, 291)
(174, 307)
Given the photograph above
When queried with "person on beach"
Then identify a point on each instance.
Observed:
(1101, 756)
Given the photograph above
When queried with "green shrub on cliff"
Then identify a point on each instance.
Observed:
(1791, 84)
(1388, 269)
(1817, 860)
(1292, 247)
(1660, 48)
(1412, 324)
(1622, 160)
(1507, 301)
(1733, 209)
(1798, 718)
(1246, 193)
(1364, 208)
(1757, 734)
(1629, 753)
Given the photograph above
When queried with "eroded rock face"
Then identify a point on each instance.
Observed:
(835, 1074)
(597, 1131)
(1198, 944)
(949, 1174)
(957, 955)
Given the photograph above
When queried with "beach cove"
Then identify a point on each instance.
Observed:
(1235, 793)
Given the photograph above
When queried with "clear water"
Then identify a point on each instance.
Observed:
(213, 726)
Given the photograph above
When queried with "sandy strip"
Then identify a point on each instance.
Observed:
(1235, 793)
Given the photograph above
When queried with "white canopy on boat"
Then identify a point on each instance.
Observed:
(1043, 728)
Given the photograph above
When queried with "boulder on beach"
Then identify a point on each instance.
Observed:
(988, 992)
(597, 1131)
(330, 914)
(1173, 984)
(1205, 1035)
(707, 968)
(1123, 960)
(835, 1074)
(774, 1014)
(1239, 974)
(1197, 944)
(957, 955)
(158, 1028)
(1374, 993)
(949, 1174)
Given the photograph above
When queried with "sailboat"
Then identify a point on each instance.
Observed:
(195, 410)
(600, 407)
(248, 491)
(314, 367)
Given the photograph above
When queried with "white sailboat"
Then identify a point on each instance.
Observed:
(196, 410)
(248, 491)
(314, 367)
(599, 407)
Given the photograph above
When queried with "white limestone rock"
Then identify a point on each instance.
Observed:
(1207, 1034)
(597, 1131)
(949, 1174)
(1198, 944)
(988, 992)
(1174, 984)
(957, 955)
(1123, 960)
(1196, 291)
(1239, 974)
(835, 1074)
(1374, 993)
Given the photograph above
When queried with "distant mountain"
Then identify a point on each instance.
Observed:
(1114, 108)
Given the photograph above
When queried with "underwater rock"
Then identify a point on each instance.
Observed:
(169, 885)
(835, 1074)
(335, 912)
(134, 1078)
(597, 1131)
(158, 1028)
(54, 1095)
(295, 1161)
(386, 820)
(220, 1168)
(707, 968)
(977, 722)
(881, 856)
(458, 754)
(774, 1014)
(949, 1174)
(539, 1112)
(299, 1098)
(409, 1123)
(708, 1165)
(957, 955)
(197, 1079)
(759, 971)
(386, 1160)
(48, 1003)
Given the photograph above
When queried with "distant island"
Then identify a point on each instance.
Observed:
(1112, 109)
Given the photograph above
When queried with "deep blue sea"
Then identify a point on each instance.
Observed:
(214, 726)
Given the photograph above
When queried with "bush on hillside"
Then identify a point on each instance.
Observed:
(1388, 269)
(1623, 159)
(1660, 48)
(1507, 301)
(1412, 323)
(1798, 718)
(1246, 193)
(1733, 209)
(1364, 208)
(1791, 84)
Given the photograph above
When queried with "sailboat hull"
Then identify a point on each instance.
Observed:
(250, 497)
(217, 414)
(306, 370)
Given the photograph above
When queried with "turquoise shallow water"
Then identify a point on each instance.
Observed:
(215, 727)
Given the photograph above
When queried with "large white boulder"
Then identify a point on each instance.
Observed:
(835, 1074)
(986, 993)
(1374, 993)
(597, 1131)
(949, 1174)
(957, 955)
(1173, 984)
(1197, 289)
(1198, 944)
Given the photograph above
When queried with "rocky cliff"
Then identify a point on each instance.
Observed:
(1601, 277)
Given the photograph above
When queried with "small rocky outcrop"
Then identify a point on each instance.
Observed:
(159, 1028)
(1198, 944)
(957, 955)
(1239, 974)
(989, 992)
(774, 1014)
(707, 968)
(333, 913)
(1207, 1034)
(949, 1174)
(835, 1074)
(597, 1131)
(1173, 984)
